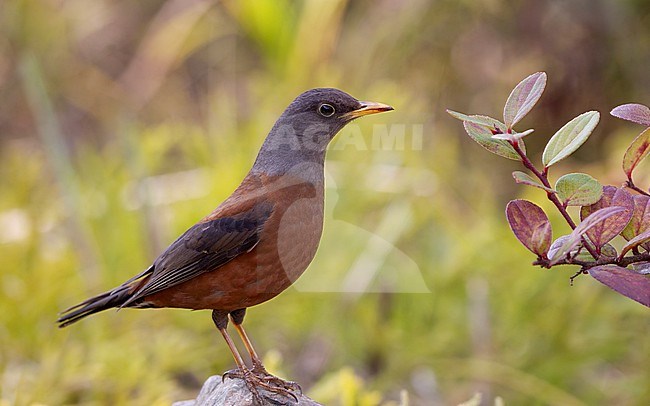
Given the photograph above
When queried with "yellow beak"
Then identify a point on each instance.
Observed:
(367, 107)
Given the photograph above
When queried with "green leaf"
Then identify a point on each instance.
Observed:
(578, 189)
(482, 134)
(523, 97)
(525, 179)
(641, 267)
(639, 149)
(570, 137)
(476, 119)
(607, 250)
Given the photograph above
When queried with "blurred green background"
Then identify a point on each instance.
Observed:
(124, 122)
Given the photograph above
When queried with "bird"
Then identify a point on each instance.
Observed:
(257, 242)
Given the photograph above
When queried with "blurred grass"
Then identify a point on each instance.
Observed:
(129, 121)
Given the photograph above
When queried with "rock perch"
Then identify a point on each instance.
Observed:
(233, 392)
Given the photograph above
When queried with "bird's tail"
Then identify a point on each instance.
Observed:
(108, 300)
(116, 298)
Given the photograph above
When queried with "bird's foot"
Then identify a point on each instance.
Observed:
(262, 373)
(255, 382)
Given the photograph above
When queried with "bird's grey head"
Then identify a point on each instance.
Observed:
(306, 127)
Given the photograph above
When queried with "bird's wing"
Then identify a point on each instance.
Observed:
(205, 247)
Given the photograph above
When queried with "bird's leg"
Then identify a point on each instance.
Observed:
(237, 318)
(252, 380)
(220, 319)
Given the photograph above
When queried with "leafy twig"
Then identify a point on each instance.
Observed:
(602, 260)
(543, 177)
(606, 211)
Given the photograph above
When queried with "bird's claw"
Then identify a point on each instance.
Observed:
(232, 374)
(264, 375)
(267, 382)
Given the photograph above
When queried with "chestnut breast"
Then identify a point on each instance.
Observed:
(288, 241)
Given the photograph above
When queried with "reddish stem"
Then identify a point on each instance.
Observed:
(634, 187)
(543, 177)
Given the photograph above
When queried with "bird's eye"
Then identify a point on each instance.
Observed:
(326, 110)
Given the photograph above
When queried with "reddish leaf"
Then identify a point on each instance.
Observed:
(626, 282)
(523, 97)
(607, 230)
(636, 152)
(637, 113)
(530, 225)
(574, 239)
(640, 221)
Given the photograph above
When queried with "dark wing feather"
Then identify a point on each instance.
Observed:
(205, 247)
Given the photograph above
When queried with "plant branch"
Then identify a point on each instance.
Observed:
(543, 177)
(575, 275)
(634, 187)
(585, 265)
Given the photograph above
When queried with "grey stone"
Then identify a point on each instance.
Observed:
(233, 392)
